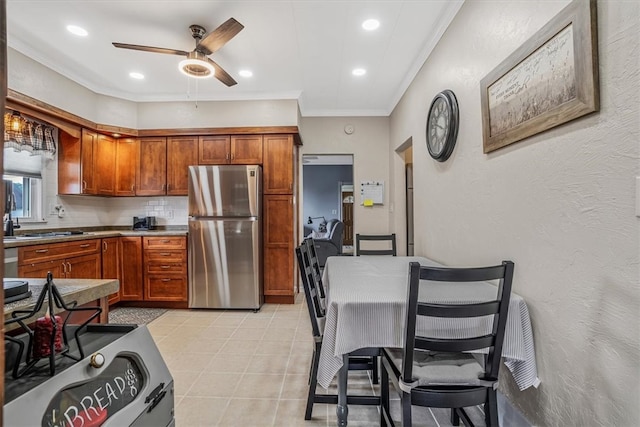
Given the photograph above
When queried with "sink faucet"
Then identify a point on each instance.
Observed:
(9, 226)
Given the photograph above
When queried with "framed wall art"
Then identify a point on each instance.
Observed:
(551, 79)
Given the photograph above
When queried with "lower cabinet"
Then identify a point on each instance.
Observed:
(278, 249)
(73, 260)
(150, 269)
(165, 268)
(131, 270)
(111, 263)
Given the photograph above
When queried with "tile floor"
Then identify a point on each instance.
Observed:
(239, 368)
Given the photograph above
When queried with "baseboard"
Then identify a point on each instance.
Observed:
(508, 415)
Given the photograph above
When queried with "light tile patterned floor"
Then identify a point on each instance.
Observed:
(239, 368)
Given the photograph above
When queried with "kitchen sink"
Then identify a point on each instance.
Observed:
(31, 236)
(53, 234)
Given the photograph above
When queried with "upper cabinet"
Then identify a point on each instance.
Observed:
(234, 149)
(152, 167)
(246, 149)
(127, 152)
(181, 153)
(87, 162)
(86, 165)
(278, 164)
(97, 164)
(104, 165)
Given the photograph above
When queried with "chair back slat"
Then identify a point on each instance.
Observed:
(443, 274)
(391, 238)
(316, 311)
(454, 345)
(497, 309)
(458, 310)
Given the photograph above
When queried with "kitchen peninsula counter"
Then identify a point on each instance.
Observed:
(91, 292)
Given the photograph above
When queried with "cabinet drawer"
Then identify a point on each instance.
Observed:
(165, 256)
(169, 242)
(37, 253)
(165, 288)
(167, 267)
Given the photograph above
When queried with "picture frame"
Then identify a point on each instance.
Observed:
(549, 80)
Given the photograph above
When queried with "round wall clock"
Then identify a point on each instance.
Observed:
(442, 125)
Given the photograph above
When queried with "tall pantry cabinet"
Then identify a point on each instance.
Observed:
(279, 218)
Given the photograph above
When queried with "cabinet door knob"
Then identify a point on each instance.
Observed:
(85, 245)
(42, 251)
(104, 246)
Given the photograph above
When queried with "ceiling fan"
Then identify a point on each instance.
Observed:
(197, 63)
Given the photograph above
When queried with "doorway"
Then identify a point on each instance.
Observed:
(327, 181)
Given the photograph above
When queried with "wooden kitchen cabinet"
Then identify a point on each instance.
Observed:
(246, 149)
(131, 270)
(127, 152)
(165, 269)
(214, 149)
(111, 263)
(234, 149)
(278, 164)
(71, 260)
(87, 162)
(104, 165)
(83, 267)
(152, 167)
(181, 153)
(76, 174)
(87, 165)
(279, 241)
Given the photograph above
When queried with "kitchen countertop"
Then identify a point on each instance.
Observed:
(80, 290)
(29, 241)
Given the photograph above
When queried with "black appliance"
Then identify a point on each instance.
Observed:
(144, 222)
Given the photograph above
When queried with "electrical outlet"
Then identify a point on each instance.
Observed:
(334, 212)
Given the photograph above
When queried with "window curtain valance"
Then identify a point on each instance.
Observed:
(24, 134)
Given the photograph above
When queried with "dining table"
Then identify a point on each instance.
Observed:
(366, 299)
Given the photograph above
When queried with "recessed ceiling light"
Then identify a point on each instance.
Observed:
(359, 72)
(245, 73)
(78, 31)
(136, 75)
(371, 24)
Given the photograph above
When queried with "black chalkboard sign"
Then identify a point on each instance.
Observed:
(91, 403)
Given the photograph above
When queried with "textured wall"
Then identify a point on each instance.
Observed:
(560, 204)
(369, 144)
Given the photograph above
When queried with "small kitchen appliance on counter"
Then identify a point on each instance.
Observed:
(143, 223)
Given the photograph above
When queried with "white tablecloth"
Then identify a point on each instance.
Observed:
(366, 301)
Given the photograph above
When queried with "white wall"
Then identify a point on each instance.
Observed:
(369, 144)
(559, 204)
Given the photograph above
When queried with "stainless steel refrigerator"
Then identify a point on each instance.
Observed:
(225, 237)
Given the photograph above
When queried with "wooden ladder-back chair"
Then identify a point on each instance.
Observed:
(440, 372)
(358, 360)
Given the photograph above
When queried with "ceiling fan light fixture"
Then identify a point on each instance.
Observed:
(196, 66)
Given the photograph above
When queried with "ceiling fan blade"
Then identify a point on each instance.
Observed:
(222, 75)
(221, 35)
(150, 49)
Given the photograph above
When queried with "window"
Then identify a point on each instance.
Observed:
(25, 173)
